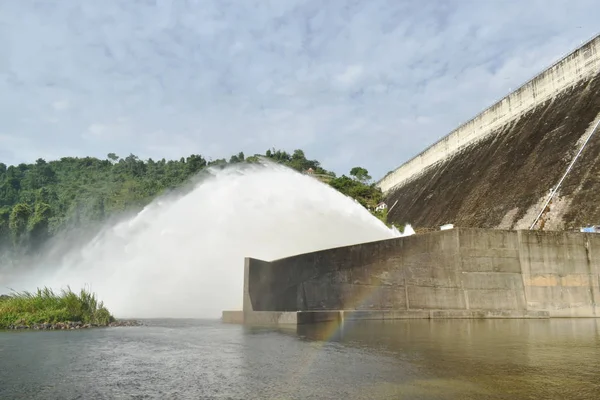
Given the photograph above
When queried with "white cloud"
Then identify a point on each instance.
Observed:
(352, 83)
(350, 76)
(111, 132)
(60, 105)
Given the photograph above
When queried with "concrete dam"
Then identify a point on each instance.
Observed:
(498, 169)
(517, 182)
(458, 273)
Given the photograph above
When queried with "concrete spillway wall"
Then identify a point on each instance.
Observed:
(579, 65)
(456, 273)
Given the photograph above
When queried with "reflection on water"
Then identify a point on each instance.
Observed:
(479, 358)
(417, 359)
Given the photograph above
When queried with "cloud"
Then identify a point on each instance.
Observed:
(120, 129)
(350, 76)
(351, 83)
(60, 105)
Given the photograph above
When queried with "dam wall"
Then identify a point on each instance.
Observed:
(579, 65)
(459, 273)
(504, 180)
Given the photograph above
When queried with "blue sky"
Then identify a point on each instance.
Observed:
(367, 83)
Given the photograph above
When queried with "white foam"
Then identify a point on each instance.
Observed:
(184, 257)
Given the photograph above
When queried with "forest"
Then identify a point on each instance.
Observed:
(39, 200)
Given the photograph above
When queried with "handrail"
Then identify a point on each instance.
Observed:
(565, 175)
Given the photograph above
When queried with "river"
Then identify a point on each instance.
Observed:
(415, 359)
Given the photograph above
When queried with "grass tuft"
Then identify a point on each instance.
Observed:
(46, 306)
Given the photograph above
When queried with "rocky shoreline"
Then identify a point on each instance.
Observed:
(72, 325)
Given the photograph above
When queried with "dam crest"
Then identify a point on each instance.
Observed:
(582, 63)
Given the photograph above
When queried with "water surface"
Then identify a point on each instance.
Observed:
(192, 359)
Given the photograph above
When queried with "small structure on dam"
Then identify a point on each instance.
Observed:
(457, 273)
(499, 169)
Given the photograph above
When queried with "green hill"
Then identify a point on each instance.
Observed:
(39, 200)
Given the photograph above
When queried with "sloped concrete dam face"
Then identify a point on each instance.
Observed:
(497, 170)
(502, 180)
(461, 273)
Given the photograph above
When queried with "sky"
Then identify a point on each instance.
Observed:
(352, 83)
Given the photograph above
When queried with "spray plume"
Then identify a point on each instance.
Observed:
(183, 256)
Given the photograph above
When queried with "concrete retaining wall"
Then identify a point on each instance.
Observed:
(582, 63)
(561, 272)
(461, 273)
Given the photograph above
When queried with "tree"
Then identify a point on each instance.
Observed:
(195, 163)
(40, 199)
(298, 155)
(39, 223)
(234, 159)
(18, 220)
(361, 174)
(4, 225)
(113, 157)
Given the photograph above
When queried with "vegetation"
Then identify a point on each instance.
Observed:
(45, 306)
(41, 199)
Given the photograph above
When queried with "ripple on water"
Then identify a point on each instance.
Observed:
(184, 359)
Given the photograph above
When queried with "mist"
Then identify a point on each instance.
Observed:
(183, 256)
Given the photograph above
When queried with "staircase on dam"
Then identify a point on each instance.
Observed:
(503, 168)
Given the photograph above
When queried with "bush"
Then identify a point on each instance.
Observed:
(45, 306)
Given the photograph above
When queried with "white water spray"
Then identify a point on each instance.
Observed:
(184, 257)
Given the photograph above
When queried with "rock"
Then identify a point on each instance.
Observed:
(125, 323)
(70, 325)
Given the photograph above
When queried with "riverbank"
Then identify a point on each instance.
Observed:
(47, 310)
(70, 325)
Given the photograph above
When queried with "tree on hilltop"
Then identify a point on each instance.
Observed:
(361, 174)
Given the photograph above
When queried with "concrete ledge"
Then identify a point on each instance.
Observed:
(232, 317)
(351, 315)
(488, 314)
(313, 317)
(441, 314)
(269, 318)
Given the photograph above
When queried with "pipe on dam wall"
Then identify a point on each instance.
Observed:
(581, 63)
(459, 273)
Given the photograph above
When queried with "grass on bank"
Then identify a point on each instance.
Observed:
(46, 306)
